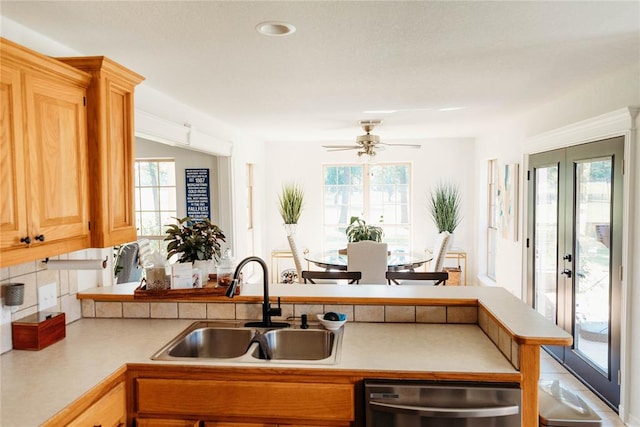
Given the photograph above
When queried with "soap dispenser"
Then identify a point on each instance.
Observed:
(225, 269)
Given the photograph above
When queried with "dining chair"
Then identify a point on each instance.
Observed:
(370, 258)
(321, 277)
(298, 257)
(435, 276)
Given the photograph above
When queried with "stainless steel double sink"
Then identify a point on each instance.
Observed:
(233, 342)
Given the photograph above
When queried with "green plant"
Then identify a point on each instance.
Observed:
(359, 230)
(291, 200)
(445, 206)
(194, 239)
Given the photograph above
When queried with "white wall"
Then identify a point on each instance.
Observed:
(438, 159)
(506, 147)
(507, 143)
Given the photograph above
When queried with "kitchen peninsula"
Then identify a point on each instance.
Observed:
(472, 333)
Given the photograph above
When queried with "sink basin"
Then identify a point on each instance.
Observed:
(231, 342)
(213, 343)
(299, 344)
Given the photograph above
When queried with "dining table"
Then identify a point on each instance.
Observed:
(396, 260)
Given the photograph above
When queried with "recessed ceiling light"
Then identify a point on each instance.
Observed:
(273, 28)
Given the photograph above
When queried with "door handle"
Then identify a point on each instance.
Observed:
(566, 272)
(428, 411)
(567, 257)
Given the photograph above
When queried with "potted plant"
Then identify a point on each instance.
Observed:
(291, 200)
(359, 230)
(445, 206)
(194, 240)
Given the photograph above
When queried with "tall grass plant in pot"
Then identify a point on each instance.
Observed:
(291, 201)
(445, 205)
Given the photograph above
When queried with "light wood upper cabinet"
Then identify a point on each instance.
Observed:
(112, 147)
(44, 159)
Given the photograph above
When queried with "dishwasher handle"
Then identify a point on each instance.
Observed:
(433, 412)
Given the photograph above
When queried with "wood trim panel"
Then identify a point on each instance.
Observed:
(84, 402)
(530, 368)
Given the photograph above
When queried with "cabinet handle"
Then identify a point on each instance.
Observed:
(40, 237)
(26, 240)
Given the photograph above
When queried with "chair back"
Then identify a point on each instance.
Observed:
(417, 278)
(370, 258)
(127, 259)
(298, 258)
(318, 277)
(440, 251)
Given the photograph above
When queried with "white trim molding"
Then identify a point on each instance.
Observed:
(158, 129)
(615, 123)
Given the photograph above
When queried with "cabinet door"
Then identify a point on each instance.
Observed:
(57, 135)
(159, 422)
(110, 410)
(13, 217)
(111, 148)
(231, 424)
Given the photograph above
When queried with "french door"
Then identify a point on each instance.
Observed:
(574, 256)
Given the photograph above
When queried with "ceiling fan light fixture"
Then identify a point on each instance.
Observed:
(274, 28)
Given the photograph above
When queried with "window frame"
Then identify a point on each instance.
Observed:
(492, 217)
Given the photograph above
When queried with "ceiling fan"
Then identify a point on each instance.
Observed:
(368, 143)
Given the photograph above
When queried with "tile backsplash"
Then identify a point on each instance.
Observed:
(35, 274)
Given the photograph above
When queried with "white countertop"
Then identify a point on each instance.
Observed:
(36, 385)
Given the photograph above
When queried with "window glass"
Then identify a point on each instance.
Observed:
(492, 217)
(155, 198)
(379, 193)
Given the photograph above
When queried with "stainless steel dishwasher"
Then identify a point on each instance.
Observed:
(442, 404)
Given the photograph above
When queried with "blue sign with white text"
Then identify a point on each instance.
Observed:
(198, 196)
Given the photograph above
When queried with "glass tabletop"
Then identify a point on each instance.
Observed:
(397, 260)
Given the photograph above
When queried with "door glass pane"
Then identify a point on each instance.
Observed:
(546, 241)
(593, 259)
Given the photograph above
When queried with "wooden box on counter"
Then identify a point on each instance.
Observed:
(38, 331)
(208, 290)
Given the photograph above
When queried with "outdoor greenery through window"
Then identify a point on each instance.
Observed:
(380, 193)
(155, 183)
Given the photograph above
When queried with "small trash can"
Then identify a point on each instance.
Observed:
(559, 407)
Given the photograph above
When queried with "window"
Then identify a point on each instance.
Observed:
(379, 193)
(492, 217)
(155, 182)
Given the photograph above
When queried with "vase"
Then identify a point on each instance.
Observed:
(290, 228)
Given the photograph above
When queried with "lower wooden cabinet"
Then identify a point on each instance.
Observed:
(260, 403)
(109, 411)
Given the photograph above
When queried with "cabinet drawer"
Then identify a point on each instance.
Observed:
(255, 399)
(110, 410)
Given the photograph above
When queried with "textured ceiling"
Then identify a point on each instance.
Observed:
(347, 57)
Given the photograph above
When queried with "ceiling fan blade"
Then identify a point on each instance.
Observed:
(344, 148)
(341, 147)
(401, 145)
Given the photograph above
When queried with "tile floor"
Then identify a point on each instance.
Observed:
(550, 369)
